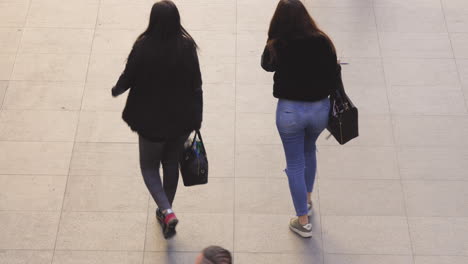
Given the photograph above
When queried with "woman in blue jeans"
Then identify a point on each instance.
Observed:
(304, 61)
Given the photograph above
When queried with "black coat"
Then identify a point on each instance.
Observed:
(305, 69)
(165, 99)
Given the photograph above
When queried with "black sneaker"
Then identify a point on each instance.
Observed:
(170, 223)
(160, 218)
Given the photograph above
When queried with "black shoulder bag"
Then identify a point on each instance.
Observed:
(343, 122)
(194, 162)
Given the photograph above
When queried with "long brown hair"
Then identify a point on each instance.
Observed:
(292, 21)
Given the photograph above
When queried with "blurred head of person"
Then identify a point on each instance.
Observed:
(214, 255)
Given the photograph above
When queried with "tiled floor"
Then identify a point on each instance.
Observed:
(70, 187)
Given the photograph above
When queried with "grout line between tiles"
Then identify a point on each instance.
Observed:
(235, 127)
(394, 136)
(76, 134)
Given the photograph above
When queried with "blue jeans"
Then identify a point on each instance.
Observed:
(299, 125)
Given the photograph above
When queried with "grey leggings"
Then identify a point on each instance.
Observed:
(152, 155)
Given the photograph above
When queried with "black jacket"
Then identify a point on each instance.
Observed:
(305, 69)
(165, 99)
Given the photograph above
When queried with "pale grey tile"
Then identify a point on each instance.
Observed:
(3, 89)
(214, 45)
(65, 14)
(170, 257)
(51, 158)
(407, 4)
(205, 229)
(427, 131)
(253, 128)
(104, 127)
(361, 197)
(212, 16)
(457, 20)
(263, 196)
(436, 198)
(421, 72)
(378, 163)
(10, 39)
(426, 163)
(119, 194)
(435, 100)
(369, 99)
(97, 97)
(221, 159)
(455, 4)
(105, 159)
(260, 161)
(26, 257)
(254, 234)
(97, 257)
(7, 62)
(38, 193)
(267, 258)
(366, 72)
(366, 235)
(356, 45)
(28, 230)
(254, 15)
(114, 41)
(117, 16)
(351, 19)
(410, 19)
(102, 231)
(106, 68)
(34, 95)
(339, 3)
(50, 67)
(218, 71)
(249, 71)
(56, 40)
(219, 98)
(26, 125)
(13, 14)
(439, 235)
(368, 259)
(462, 66)
(460, 44)
(440, 259)
(218, 128)
(251, 43)
(216, 197)
(255, 98)
(415, 45)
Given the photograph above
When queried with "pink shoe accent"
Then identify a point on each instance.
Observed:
(169, 218)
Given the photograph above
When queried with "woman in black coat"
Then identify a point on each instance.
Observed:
(164, 104)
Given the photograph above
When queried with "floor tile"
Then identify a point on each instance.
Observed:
(368, 259)
(249, 71)
(51, 158)
(218, 71)
(440, 259)
(371, 163)
(219, 98)
(462, 65)
(19, 125)
(91, 193)
(456, 18)
(7, 62)
(215, 44)
(431, 131)
(410, 19)
(216, 16)
(38, 193)
(218, 128)
(3, 89)
(339, 3)
(266, 258)
(361, 197)
(114, 41)
(105, 159)
(406, 4)
(256, 129)
(435, 100)
(13, 14)
(370, 99)
(459, 44)
(248, 95)
(421, 72)
(254, 16)
(169, 257)
(68, 14)
(256, 161)
(104, 127)
(106, 68)
(97, 97)
(10, 39)
(366, 235)
(221, 159)
(22, 256)
(50, 67)
(439, 236)
(263, 196)
(436, 198)
(415, 45)
(363, 71)
(216, 197)
(253, 234)
(56, 40)
(28, 230)
(251, 43)
(356, 45)
(352, 19)
(192, 227)
(439, 163)
(96, 257)
(116, 16)
(101, 231)
(36, 95)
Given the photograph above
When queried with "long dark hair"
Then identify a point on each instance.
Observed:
(216, 255)
(292, 21)
(165, 28)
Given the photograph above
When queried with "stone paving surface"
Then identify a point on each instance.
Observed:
(70, 187)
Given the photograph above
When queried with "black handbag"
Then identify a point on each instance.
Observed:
(194, 162)
(343, 122)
